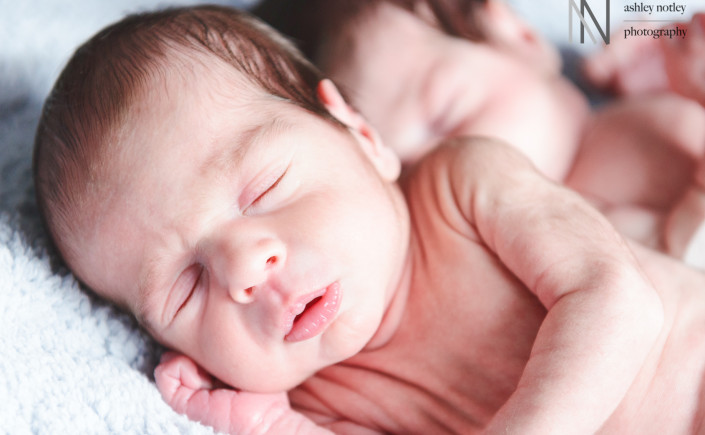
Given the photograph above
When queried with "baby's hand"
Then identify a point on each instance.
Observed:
(628, 66)
(685, 60)
(190, 390)
(684, 232)
(639, 65)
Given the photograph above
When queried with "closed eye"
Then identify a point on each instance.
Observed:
(186, 286)
(269, 189)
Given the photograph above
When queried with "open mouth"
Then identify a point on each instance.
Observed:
(307, 307)
(312, 314)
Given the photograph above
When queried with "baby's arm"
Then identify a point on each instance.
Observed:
(603, 314)
(189, 390)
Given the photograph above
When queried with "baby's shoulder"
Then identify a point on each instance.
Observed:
(451, 186)
(472, 160)
(463, 169)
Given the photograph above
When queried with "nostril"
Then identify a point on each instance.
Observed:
(249, 291)
(271, 260)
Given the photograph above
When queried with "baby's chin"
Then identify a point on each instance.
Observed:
(266, 382)
(343, 339)
(269, 381)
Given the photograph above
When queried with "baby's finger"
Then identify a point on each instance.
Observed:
(685, 60)
(621, 65)
(178, 378)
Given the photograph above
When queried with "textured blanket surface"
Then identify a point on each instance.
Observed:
(70, 363)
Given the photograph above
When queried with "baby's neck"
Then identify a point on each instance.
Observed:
(395, 308)
(400, 284)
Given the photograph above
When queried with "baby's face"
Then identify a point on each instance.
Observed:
(418, 85)
(246, 232)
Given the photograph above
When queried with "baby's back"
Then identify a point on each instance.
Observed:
(467, 333)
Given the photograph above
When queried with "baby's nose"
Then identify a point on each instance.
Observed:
(245, 295)
(242, 265)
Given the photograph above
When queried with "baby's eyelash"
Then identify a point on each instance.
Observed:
(270, 188)
(198, 272)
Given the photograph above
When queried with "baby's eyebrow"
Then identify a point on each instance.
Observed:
(224, 160)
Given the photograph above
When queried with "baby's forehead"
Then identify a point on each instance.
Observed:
(187, 86)
(199, 120)
(191, 70)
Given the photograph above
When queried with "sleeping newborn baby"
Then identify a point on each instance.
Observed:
(193, 168)
(426, 71)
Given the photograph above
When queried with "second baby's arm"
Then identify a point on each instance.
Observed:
(603, 313)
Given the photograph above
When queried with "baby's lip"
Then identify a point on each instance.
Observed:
(312, 313)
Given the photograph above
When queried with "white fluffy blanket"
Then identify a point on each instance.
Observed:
(70, 363)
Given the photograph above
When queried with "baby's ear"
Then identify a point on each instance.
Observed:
(506, 29)
(384, 158)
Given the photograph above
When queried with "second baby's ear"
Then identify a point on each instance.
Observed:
(506, 29)
(384, 158)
